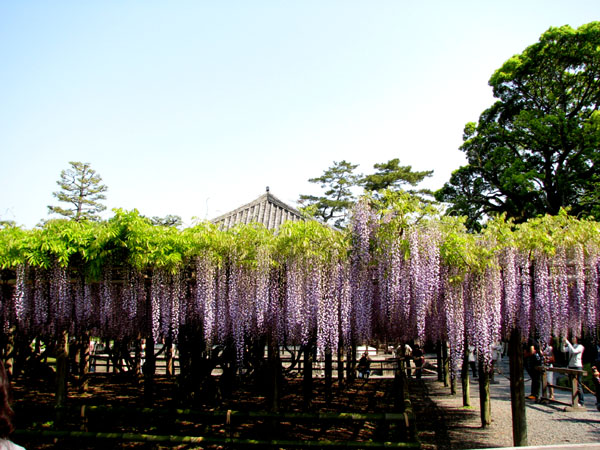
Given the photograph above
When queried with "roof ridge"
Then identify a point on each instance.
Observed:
(266, 209)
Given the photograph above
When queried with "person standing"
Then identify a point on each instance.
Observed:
(548, 356)
(407, 358)
(496, 358)
(364, 366)
(472, 357)
(575, 351)
(533, 365)
(419, 359)
(596, 380)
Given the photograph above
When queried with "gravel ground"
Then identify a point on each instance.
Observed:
(547, 424)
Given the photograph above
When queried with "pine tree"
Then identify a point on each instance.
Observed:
(81, 187)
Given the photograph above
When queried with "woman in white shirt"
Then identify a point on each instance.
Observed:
(575, 351)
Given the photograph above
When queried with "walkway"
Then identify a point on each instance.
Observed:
(547, 424)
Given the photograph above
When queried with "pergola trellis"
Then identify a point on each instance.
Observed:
(394, 276)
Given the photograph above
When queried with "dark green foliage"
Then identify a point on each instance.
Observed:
(338, 197)
(537, 149)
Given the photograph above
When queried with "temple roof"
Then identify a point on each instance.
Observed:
(266, 209)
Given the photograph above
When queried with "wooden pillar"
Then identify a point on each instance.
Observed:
(517, 389)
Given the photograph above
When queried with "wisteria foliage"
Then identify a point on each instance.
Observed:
(386, 282)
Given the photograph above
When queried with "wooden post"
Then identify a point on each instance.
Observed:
(517, 389)
(484, 396)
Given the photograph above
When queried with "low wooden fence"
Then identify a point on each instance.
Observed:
(573, 404)
(400, 427)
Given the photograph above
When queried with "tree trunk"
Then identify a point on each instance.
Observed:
(137, 358)
(466, 385)
(350, 363)
(149, 369)
(84, 363)
(274, 368)
(440, 364)
(517, 389)
(9, 352)
(169, 370)
(308, 373)
(446, 362)
(340, 365)
(328, 376)
(62, 375)
(484, 396)
(399, 386)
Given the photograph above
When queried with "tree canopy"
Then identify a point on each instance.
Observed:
(391, 175)
(536, 149)
(81, 187)
(341, 185)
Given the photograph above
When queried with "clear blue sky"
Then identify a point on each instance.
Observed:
(192, 108)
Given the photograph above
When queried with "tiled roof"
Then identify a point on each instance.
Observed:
(266, 209)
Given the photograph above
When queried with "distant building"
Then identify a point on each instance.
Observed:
(266, 209)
